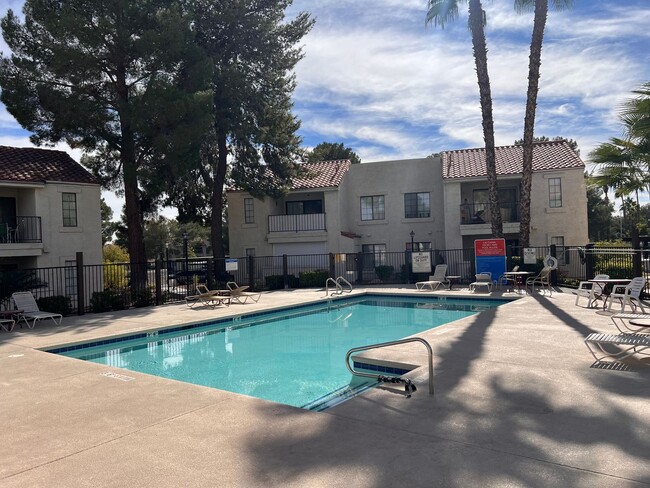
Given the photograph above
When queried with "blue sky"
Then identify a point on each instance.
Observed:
(375, 78)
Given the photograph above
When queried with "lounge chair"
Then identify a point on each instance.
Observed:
(590, 290)
(632, 323)
(628, 295)
(543, 279)
(482, 280)
(24, 300)
(439, 277)
(239, 293)
(631, 344)
(7, 324)
(211, 298)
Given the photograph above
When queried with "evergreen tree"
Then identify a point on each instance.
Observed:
(118, 80)
(332, 151)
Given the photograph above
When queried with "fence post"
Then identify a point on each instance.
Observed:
(158, 278)
(209, 273)
(332, 266)
(81, 295)
(285, 271)
(251, 272)
(359, 258)
(589, 260)
(553, 251)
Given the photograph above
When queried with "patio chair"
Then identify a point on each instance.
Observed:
(629, 295)
(543, 279)
(7, 324)
(630, 344)
(204, 296)
(482, 280)
(239, 293)
(505, 279)
(439, 277)
(591, 291)
(24, 300)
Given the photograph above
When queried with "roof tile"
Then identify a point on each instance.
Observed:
(466, 163)
(324, 174)
(35, 165)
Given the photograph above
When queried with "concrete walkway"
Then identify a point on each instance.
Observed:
(518, 403)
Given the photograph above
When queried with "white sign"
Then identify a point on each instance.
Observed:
(231, 265)
(530, 256)
(421, 262)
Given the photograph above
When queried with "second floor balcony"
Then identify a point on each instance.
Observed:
(479, 213)
(297, 223)
(21, 230)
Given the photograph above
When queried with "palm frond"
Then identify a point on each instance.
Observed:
(441, 12)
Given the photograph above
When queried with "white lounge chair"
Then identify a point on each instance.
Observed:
(24, 300)
(482, 280)
(590, 290)
(439, 277)
(543, 279)
(7, 324)
(239, 293)
(631, 295)
(632, 323)
(631, 344)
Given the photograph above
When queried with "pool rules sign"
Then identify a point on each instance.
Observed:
(490, 256)
(421, 262)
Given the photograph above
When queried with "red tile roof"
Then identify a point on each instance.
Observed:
(325, 174)
(33, 165)
(466, 163)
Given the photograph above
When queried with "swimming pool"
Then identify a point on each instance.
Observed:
(294, 356)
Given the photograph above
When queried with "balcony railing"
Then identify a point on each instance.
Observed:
(296, 223)
(21, 230)
(479, 213)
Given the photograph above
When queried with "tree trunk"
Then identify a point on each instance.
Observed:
(480, 58)
(216, 201)
(541, 12)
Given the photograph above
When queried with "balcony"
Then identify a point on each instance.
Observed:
(479, 213)
(297, 223)
(22, 230)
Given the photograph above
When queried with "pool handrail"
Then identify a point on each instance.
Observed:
(337, 286)
(386, 344)
(341, 279)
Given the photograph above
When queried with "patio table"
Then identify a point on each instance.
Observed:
(608, 285)
(519, 277)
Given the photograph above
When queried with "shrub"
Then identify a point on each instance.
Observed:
(55, 304)
(276, 282)
(142, 297)
(107, 300)
(309, 279)
(384, 272)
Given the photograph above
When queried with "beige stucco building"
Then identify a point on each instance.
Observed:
(49, 210)
(438, 202)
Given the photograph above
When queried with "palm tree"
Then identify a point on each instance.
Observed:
(535, 61)
(440, 12)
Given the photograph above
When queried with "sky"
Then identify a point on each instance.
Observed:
(375, 78)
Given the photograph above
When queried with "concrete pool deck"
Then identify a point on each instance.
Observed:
(518, 402)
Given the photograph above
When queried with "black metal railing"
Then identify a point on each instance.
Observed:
(22, 229)
(297, 223)
(479, 213)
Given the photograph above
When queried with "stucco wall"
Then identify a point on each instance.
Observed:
(241, 235)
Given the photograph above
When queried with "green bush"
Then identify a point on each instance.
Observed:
(142, 297)
(107, 300)
(276, 282)
(55, 304)
(310, 279)
(384, 272)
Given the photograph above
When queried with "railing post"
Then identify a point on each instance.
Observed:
(158, 279)
(589, 261)
(251, 272)
(209, 273)
(81, 296)
(285, 271)
(553, 251)
(359, 258)
(332, 266)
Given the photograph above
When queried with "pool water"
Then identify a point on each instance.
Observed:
(296, 357)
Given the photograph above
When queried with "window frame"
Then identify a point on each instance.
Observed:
(249, 210)
(415, 205)
(69, 210)
(555, 192)
(376, 213)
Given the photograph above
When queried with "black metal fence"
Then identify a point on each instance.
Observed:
(99, 288)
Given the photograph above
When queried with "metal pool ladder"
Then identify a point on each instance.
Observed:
(338, 287)
(380, 377)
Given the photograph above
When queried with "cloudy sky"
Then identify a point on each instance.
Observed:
(377, 79)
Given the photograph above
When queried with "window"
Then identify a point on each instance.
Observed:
(250, 251)
(305, 207)
(554, 192)
(416, 205)
(69, 209)
(374, 255)
(249, 215)
(372, 208)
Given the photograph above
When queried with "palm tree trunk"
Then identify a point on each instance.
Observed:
(476, 21)
(541, 12)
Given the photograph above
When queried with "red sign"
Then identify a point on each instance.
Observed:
(490, 247)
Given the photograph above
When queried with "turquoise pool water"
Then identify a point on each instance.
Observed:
(294, 357)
